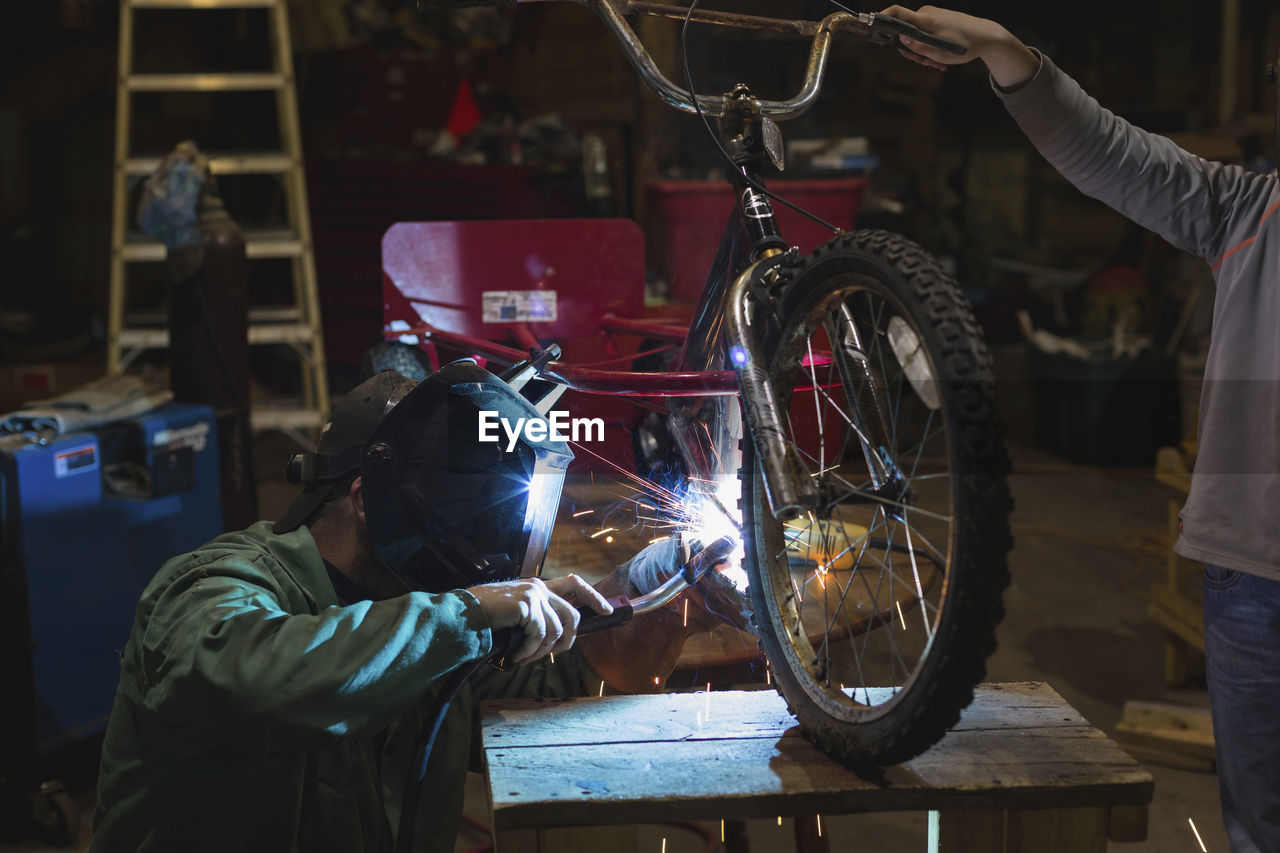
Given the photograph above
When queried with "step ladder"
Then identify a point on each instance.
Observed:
(296, 326)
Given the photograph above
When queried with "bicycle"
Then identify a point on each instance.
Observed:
(873, 501)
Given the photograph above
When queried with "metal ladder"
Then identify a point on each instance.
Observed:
(296, 326)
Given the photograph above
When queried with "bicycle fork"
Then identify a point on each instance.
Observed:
(753, 141)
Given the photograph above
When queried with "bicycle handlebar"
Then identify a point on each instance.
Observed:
(881, 29)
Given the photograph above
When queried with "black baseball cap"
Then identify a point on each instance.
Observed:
(343, 438)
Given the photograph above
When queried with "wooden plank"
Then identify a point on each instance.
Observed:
(1166, 758)
(1167, 734)
(965, 831)
(516, 841)
(566, 839)
(1196, 723)
(745, 778)
(809, 836)
(1177, 613)
(731, 714)
(636, 719)
(1127, 824)
(1057, 831)
(638, 759)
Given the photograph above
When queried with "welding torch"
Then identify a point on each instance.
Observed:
(625, 608)
(687, 575)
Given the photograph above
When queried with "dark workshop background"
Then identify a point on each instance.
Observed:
(377, 81)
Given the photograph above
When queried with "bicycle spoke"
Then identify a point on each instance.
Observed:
(915, 573)
(893, 646)
(817, 408)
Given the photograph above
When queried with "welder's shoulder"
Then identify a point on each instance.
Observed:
(279, 565)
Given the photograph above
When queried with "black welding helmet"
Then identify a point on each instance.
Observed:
(446, 510)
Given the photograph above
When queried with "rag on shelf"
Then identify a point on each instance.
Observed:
(101, 401)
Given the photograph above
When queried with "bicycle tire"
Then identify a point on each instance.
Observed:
(865, 280)
(406, 359)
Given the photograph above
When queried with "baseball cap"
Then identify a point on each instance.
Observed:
(354, 419)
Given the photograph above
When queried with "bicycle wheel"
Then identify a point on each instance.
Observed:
(877, 611)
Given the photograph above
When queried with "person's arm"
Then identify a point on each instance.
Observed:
(219, 648)
(1197, 205)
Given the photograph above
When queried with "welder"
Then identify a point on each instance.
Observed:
(276, 678)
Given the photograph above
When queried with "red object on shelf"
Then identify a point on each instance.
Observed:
(694, 212)
(465, 114)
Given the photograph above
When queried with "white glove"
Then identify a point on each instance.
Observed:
(546, 611)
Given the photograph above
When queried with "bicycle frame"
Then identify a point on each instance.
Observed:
(699, 389)
(747, 262)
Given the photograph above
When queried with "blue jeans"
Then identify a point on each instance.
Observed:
(1242, 661)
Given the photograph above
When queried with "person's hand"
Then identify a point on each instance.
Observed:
(546, 611)
(637, 657)
(712, 600)
(1010, 62)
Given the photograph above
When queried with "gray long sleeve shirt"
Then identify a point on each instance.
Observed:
(1224, 215)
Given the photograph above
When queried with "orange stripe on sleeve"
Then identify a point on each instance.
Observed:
(1244, 243)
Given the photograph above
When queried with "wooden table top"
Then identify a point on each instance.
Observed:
(643, 759)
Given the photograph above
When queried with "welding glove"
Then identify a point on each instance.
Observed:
(657, 562)
(637, 657)
(712, 600)
(545, 612)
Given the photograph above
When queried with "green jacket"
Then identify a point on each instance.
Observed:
(255, 714)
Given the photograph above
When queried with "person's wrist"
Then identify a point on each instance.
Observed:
(1010, 62)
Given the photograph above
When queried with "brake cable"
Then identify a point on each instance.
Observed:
(747, 179)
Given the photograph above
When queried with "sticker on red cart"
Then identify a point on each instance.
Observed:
(519, 306)
(79, 460)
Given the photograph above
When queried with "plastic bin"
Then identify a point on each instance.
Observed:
(1104, 411)
(693, 215)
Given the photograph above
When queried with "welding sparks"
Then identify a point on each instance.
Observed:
(608, 538)
(708, 700)
(655, 680)
(768, 676)
(583, 512)
(901, 618)
(1197, 832)
(700, 510)
(722, 830)
(553, 657)
(664, 845)
(819, 817)
(602, 688)
(686, 613)
(659, 539)
(779, 820)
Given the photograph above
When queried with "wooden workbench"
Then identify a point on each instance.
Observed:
(1021, 771)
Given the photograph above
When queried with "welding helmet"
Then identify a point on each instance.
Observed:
(445, 509)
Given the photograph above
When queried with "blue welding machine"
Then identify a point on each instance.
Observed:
(86, 519)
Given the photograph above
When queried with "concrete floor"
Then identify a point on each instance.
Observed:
(1076, 619)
